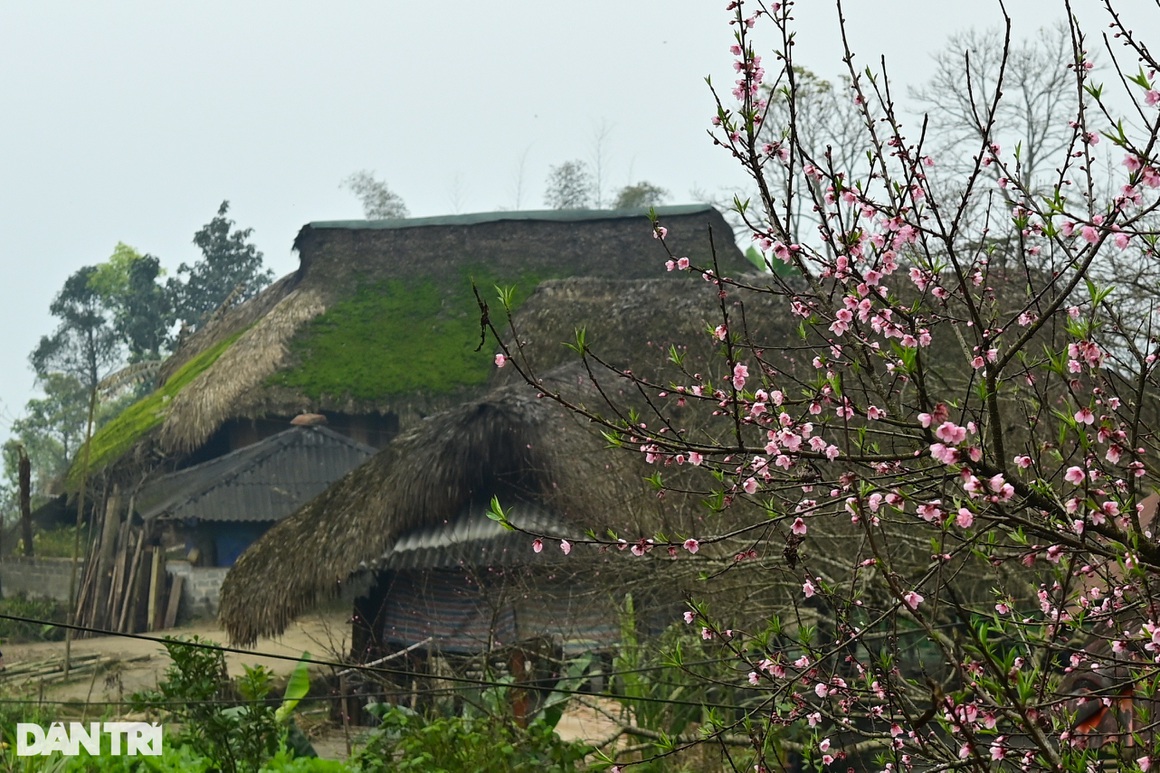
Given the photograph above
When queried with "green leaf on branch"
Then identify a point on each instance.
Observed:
(581, 344)
(507, 295)
(497, 514)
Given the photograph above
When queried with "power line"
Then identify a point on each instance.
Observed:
(465, 683)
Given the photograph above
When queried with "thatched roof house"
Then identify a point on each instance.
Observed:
(379, 326)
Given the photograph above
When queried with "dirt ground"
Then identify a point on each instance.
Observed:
(324, 634)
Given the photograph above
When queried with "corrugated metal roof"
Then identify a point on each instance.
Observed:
(265, 481)
(472, 539)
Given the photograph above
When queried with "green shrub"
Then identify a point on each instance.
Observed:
(407, 741)
(484, 738)
(197, 694)
(35, 609)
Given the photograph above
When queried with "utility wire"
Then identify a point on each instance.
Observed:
(467, 683)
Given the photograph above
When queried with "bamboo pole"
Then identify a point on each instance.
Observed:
(72, 583)
(130, 595)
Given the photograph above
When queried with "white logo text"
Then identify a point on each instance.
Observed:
(130, 738)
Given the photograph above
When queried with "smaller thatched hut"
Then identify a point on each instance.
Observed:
(417, 516)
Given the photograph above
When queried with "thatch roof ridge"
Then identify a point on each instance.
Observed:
(227, 388)
(229, 322)
(547, 243)
(475, 218)
(523, 448)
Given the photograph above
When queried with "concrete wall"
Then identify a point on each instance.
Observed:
(38, 577)
(200, 589)
(49, 578)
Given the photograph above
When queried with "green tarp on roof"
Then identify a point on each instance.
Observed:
(546, 215)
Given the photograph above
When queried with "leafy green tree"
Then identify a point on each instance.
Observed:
(85, 344)
(379, 201)
(107, 313)
(642, 194)
(569, 186)
(141, 307)
(230, 270)
(51, 429)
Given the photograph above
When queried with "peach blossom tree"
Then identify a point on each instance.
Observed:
(967, 397)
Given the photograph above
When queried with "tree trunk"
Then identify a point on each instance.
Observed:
(26, 502)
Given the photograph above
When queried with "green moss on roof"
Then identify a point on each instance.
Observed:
(116, 437)
(395, 338)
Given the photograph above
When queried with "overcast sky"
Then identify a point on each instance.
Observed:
(132, 121)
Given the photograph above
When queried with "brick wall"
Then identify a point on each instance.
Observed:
(200, 589)
(38, 577)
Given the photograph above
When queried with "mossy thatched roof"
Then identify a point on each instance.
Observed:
(380, 317)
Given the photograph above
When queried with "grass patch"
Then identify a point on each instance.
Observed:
(398, 337)
(120, 433)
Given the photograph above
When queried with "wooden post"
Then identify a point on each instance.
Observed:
(72, 582)
(174, 602)
(125, 621)
(519, 692)
(344, 710)
(117, 581)
(108, 551)
(156, 588)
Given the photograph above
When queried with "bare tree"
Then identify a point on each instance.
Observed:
(1039, 96)
(518, 179)
(809, 121)
(599, 160)
(455, 193)
(378, 200)
(569, 186)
